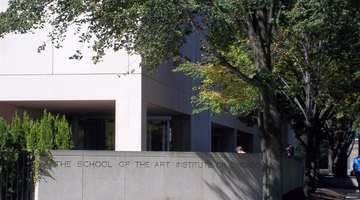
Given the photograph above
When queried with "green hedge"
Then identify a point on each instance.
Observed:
(25, 146)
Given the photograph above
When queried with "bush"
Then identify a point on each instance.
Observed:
(29, 141)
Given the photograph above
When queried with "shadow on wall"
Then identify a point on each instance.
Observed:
(241, 174)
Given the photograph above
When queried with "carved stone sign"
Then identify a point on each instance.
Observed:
(152, 175)
(151, 164)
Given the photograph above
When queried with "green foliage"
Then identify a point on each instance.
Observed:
(356, 125)
(46, 132)
(317, 59)
(30, 141)
(300, 150)
(316, 47)
(30, 128)
(63, 134)
(6, 140)
(17, 132)
(110, 24)
(8, 157)
(220, 90)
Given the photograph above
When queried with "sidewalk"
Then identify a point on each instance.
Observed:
(346, 185)
(350, 193)
(353, 196)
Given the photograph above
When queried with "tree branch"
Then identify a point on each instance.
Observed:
(302, 142)
(328, 113)
(295, 99)
(217, 55)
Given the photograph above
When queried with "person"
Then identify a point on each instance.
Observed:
(240, 149)
(288, 150)
(356, 168)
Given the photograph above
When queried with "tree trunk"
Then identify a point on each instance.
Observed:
(340, 166)
(330, 161)
(268, 122)
(272, 187)
(340, 140)
(339, 159)
(311, 160)
(260, 30)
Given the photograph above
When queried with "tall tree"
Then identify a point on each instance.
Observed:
(316, 49)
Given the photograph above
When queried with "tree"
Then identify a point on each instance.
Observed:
(340, 136)
(16, 132)
(45, 135)
(342, 127)
(312, 80)
(318, 61)
(62, 133)
(30, 128)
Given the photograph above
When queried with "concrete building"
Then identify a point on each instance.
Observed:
(113, 105)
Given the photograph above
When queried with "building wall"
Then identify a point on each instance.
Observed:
(26, 75)
(8, 111)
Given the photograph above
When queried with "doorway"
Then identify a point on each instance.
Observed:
(94, 133)
(159, 134)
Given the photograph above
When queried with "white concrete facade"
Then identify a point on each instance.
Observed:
(49, 80)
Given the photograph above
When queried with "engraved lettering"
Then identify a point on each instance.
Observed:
(145, 164)
(123, 164)
(60, 163)
(94, 164)
(162, 164)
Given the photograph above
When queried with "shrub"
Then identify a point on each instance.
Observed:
(29, 141)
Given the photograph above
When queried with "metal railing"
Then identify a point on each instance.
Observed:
(16, 182)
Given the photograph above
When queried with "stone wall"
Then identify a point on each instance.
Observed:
(152, 176)
(292, 173)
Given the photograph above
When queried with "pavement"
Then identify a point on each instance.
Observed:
(352, 196)
(343, 185)
(350, 193)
